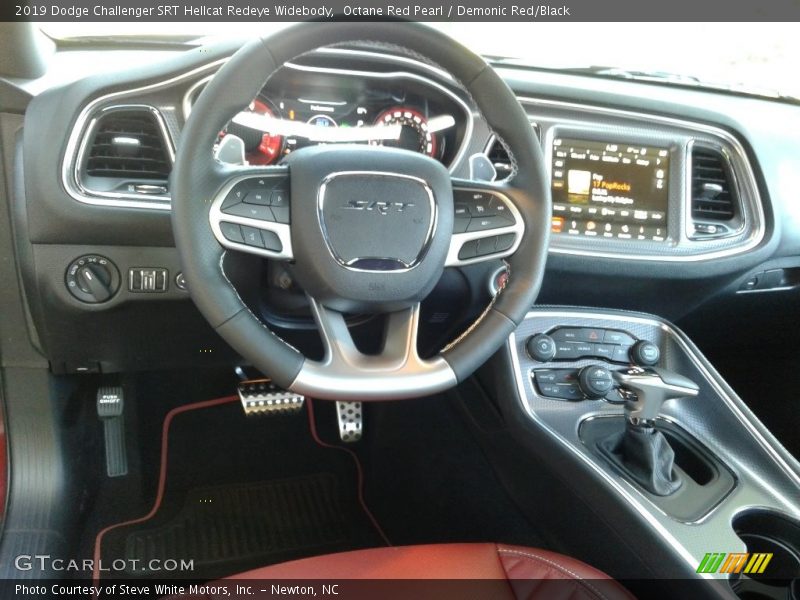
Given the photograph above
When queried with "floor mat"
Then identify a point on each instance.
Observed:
(241, 493)
(230, 524)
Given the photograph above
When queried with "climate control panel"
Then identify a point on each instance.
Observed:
(572, 343)
(564, 344)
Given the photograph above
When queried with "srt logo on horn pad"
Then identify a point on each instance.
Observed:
(380, 206)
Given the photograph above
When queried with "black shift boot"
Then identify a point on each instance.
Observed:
(644, 454)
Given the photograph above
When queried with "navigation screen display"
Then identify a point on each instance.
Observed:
(610, 190)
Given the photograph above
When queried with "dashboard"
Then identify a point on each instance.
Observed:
(626, 185)
(654, 190)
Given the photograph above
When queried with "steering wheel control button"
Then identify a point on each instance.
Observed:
(479, 205)
(231, 232)
(469, 250)
(595, 381)
(482, 247)
(254, 197)
(279, 198)
(499, 208)
(252, 236)
(257, 197)
(480, 211)
(236, 195)
(486, 223)
(271, 241)
(541, 347)
(252, 211)
(460, 224)
(92, 279)
(281, 214)
(504, 242)
(644, 353)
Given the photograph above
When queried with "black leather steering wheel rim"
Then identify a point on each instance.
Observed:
(197, 177)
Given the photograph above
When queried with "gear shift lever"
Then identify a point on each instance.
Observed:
(641, 451)
(646, 389)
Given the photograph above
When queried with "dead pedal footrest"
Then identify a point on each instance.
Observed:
(262, 397)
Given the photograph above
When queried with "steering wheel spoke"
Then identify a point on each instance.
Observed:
(487, 223)
(250, 213)
(348, 374)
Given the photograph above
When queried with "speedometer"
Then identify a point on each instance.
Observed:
(414, 132)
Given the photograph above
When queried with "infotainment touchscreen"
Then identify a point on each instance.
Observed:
(610, 190)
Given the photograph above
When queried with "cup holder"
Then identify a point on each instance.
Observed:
(771, 533)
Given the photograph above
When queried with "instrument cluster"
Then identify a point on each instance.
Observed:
(299, 108)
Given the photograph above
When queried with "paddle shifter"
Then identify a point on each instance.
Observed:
(641, 450)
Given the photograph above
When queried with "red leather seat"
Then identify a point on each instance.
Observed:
(528, 573)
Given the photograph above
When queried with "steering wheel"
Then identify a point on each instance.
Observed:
(362, 228)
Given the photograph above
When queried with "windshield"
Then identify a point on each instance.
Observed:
(755, 58)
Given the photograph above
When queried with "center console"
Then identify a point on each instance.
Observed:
(632, 399)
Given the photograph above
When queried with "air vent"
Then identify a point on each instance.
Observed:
(128, 144)
(713, 193)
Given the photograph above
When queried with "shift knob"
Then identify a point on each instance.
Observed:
(647, 390)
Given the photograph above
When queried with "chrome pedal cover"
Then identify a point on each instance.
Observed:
(262, 397)
(350, 418)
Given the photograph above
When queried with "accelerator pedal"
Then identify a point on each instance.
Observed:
(350, 418)
(262, 397)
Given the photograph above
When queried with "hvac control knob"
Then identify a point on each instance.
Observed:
(595, 381)
(541, 347)
(92, 279)
(644, 353)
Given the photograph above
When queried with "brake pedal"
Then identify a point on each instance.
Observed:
(350, 418)
(110, 405)
(262, 397)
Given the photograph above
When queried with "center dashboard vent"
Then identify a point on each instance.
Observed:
(714, 195)
(127, 152)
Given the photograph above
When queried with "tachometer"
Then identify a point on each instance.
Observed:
(260, 148)
(414, 132)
